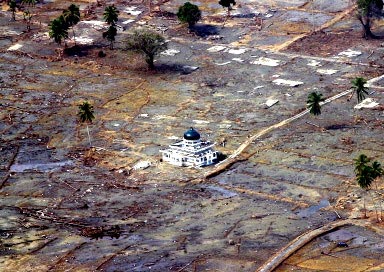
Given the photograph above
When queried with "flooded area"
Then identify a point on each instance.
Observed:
(243, 83)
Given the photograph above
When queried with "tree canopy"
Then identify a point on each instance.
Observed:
(227, 4)
(189, 13)
(358, 84)
(111, 15)
(85, 115)
(58, 30)
(86, 112)
(72, 17)
(365, 173)
(148, 43)
(313, 103)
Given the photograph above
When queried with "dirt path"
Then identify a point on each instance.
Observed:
(336, 19)
(234, 157)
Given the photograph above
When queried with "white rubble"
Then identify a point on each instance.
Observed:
(189, 69)
(216, 48)
(223, 63)
(238, 51)
(98, 25)
(128, 21)
(170, 52)
(287, 82)
(313, 63)
(270, 102)
(83, 40)
(327, 71)
(141, 165)
(266, 61)
(367, 103)
(350, 53)
(132, 11)
(200, 121)
(15, 47)
(238, 59)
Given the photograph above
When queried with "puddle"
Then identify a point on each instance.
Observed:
(313, 209)
(18, 168)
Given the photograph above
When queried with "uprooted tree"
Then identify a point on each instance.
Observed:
(367, 11)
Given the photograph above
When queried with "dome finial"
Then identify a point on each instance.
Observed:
(191, 134)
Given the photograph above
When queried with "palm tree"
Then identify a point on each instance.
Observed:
(12, 8)
(111, 15)
(72, 17)
(86, 116)
(377, 170)
(313, 103)
(358, 84)
(58, 30)
(360, 163)
(363, 175)
(110, 35)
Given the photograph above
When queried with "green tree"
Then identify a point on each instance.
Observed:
(358, 85)
(72, 17)
(377, 170)
(367, 10)
(313, 103)
(12, 8)
(189, 13)
(111, 15)
(366, 174)
(228, 5)
(110, 35)
(58, 30)
(148, 43)
(27, 14)
(85, 115)
(363, 171)
(363, 175)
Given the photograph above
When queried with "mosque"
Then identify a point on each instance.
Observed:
(191, 151)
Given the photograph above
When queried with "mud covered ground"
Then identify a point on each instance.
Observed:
(66, 206)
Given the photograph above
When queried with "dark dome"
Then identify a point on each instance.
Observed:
(191, 135)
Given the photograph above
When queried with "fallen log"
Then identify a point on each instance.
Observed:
(299, 242)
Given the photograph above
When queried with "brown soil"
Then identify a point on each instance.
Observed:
(323, 43)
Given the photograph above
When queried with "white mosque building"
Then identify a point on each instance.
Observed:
(191, 151)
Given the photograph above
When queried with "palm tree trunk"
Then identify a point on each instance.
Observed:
(74, 37)
(89, 137)
(374, 204)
